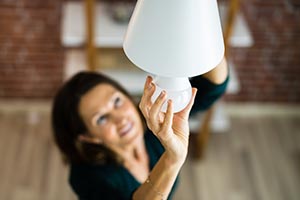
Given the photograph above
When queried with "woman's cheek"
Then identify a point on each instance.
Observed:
(129, 108)
(108, 132)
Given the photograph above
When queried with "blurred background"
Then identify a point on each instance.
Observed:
(246, 148)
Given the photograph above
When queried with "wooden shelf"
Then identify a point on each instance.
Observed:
(132, 78)
(108, 33)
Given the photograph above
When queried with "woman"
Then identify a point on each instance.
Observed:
(102, 135)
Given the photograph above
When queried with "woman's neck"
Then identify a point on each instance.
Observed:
(135, 151)
(135, 158)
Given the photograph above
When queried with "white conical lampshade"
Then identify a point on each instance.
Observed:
(175, 38)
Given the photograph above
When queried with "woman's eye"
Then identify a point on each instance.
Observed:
(118, 102)
(101, 120)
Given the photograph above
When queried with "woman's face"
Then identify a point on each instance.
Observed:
(110, 117)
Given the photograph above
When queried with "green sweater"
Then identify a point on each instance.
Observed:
(114, 182)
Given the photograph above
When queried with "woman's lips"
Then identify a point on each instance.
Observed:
(126, 129)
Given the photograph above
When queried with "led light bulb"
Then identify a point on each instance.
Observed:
(179, 90)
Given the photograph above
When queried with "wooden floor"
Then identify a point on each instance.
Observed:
(258, 159)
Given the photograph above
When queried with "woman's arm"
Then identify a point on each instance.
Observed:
(173, 132)
(219, 74)
(160, 181)
(211, 86)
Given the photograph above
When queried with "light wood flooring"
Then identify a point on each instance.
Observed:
(258, 159)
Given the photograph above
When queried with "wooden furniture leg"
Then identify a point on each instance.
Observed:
(90, 45)
(231, 14)
(199, 141)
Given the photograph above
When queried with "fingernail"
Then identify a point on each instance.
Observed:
(150, 85)
(149, 78)
(162, 93)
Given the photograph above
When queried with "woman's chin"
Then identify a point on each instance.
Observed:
(132, 136)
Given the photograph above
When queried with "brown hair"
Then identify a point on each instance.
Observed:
(67, 124)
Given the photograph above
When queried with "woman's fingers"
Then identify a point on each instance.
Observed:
(188, 108)
(147, 82)
(145, 102)
(168, 120)
(154, 112)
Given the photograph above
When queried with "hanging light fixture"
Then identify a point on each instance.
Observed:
(175, 40)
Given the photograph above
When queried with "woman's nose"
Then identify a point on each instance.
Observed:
(119, 118)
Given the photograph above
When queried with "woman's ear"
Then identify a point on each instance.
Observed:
(89, 139)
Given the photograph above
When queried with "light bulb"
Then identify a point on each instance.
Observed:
(179, 90)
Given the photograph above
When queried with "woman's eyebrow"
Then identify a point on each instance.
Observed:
(116, 93)
(96, 114)
(99, 112)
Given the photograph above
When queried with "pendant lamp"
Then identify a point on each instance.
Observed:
(174, 40)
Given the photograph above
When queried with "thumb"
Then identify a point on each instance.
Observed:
(186, 111)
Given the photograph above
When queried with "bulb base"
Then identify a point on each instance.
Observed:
(179, 90)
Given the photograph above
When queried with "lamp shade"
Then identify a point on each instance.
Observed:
(175, 38)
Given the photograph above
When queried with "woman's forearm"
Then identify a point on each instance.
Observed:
(173, 133)
(219, 74)
(161, 180)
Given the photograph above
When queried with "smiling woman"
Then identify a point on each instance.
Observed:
(112, 153)
(116, 124)
(71, 129)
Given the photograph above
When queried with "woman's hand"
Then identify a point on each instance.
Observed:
(171, 129)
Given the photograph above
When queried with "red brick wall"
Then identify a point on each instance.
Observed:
(270, 70)
(31, 57)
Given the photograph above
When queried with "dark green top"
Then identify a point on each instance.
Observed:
(114, 182)
(111, 181)
(207, 93)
